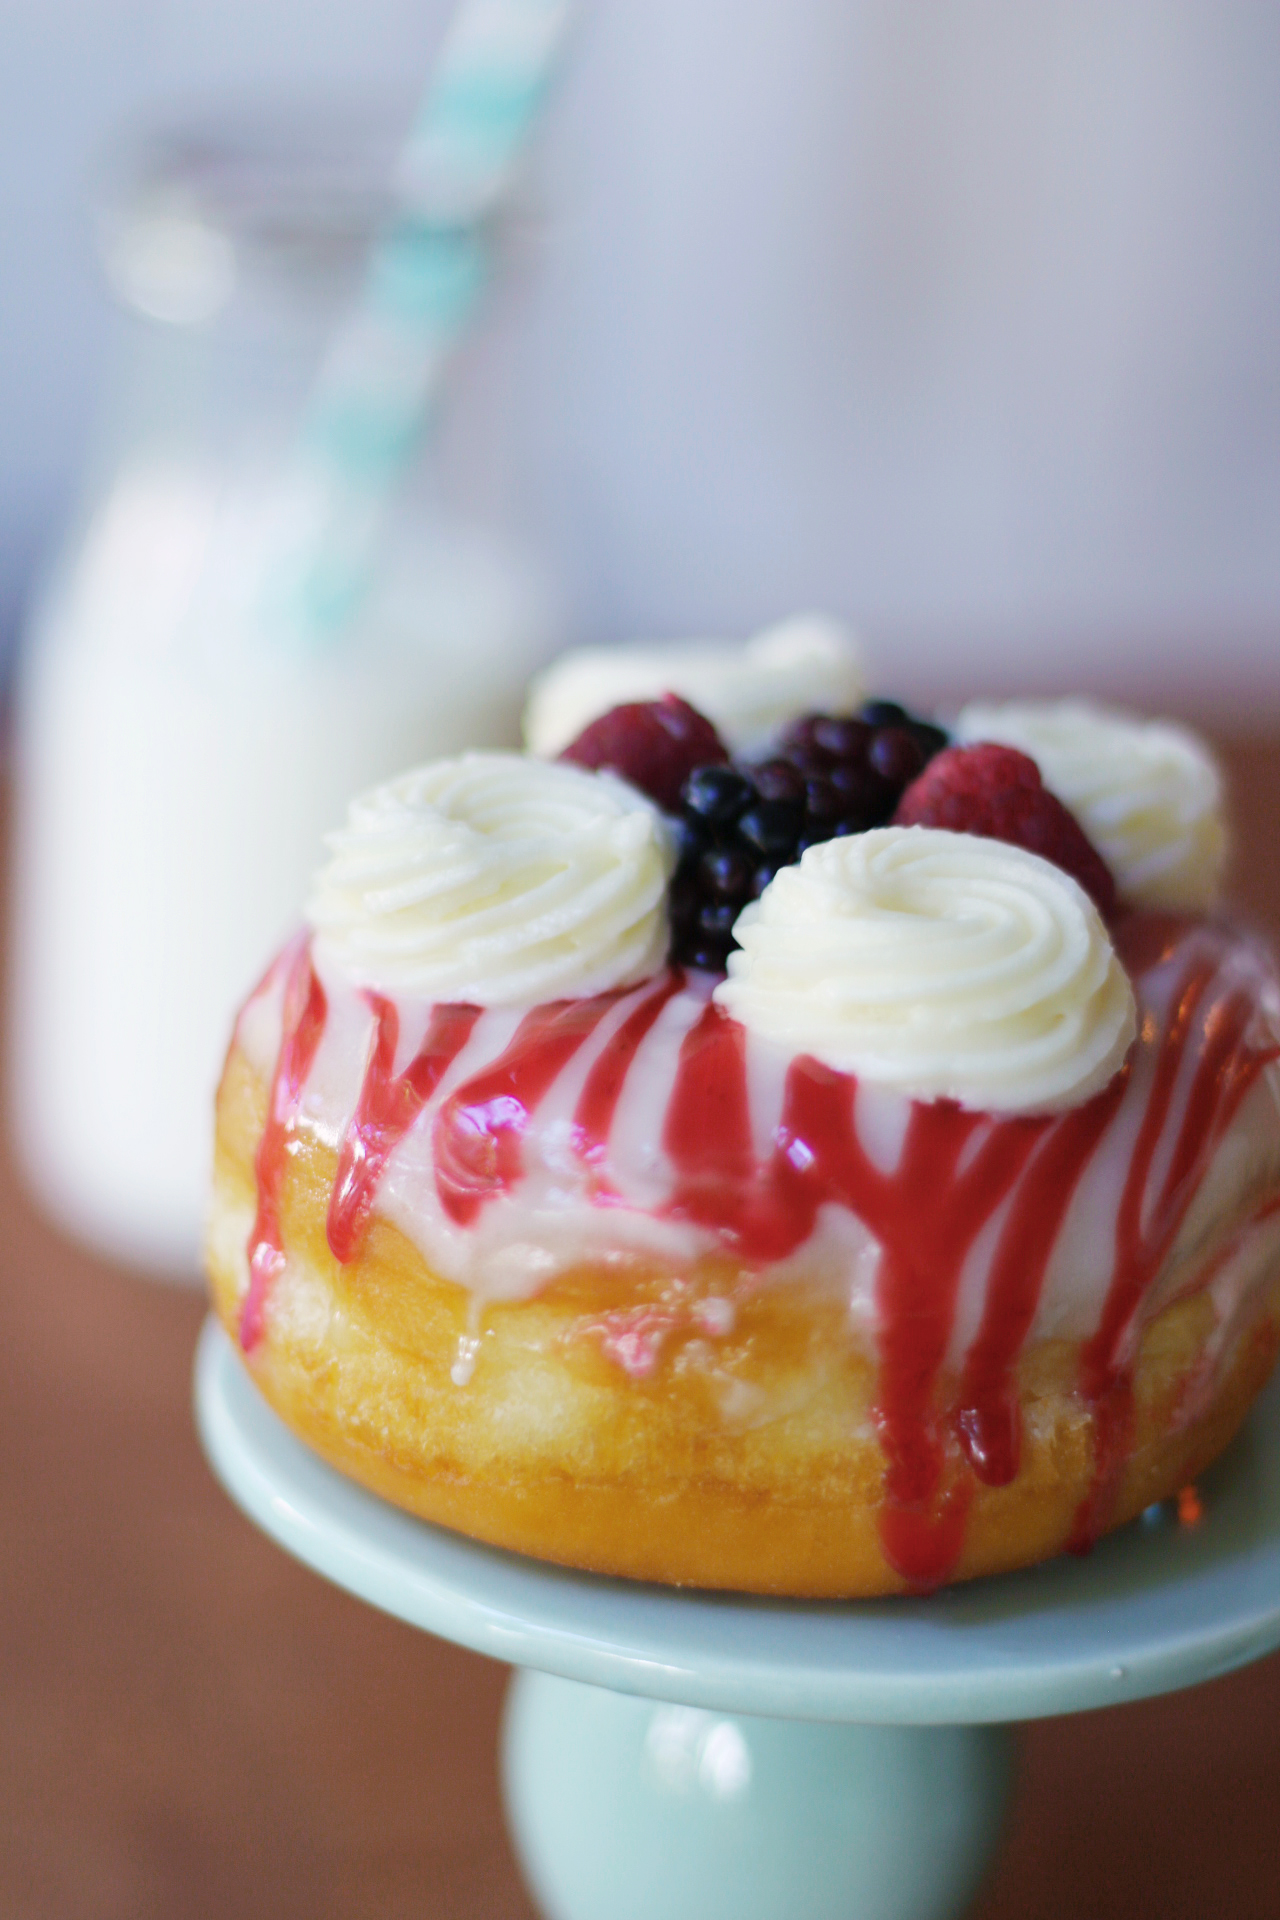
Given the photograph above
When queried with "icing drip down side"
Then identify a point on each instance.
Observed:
(511, 1145)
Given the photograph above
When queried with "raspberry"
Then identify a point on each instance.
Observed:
(998, 794)
(655, 744)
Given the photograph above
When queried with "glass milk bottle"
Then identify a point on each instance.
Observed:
(174, 774)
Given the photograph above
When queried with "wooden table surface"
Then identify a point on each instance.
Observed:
(195, 1726)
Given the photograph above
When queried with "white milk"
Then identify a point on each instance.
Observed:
(174, 783)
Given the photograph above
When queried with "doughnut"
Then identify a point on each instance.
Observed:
(934, 1232)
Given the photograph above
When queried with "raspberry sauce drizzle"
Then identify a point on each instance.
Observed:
(1147, 1225)
(478, 1133)
(385, 1111)
(305, 1012)
(602, 1089)
(987, 1420)
(707, 1131)
(955, 1172)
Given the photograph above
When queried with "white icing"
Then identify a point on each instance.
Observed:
(547, 1223)
(808, 663)
(496, 879)
(947, 966)
(1147, 793)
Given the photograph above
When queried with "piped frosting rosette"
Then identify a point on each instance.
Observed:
(498, 880)
(947, 966)
(748, 691)
(1147, 793)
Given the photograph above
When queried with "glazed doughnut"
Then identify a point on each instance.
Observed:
(675, 1279)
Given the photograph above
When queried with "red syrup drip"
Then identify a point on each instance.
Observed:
(602, 1089)
(304, 1014)
(987, 1419)
(707, 1133)
(385, 1111)
(478, 1135)
(924, 1544)
(926, 1215)
(1147, 1225)
(955, 1171)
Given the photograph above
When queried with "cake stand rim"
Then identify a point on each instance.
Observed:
(1149, 1612)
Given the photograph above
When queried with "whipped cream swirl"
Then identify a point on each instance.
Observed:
(498, 880)
(948, 966)
(1147, 793)
(805, 664)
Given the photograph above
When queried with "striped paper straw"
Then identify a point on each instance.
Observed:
(382, 375)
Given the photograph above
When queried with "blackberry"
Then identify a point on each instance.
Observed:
(883, 713)
(726, 874)
(841, 740)
(888, 715)
(732, 839)
(715, 796)
(772, 827)
(896, 755)
(831, 775)
(780, 780)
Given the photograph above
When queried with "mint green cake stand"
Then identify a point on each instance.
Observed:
(668, 1754)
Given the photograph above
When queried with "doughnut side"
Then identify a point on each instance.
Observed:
(737, 1450)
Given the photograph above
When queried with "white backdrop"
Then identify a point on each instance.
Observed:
(961, 318)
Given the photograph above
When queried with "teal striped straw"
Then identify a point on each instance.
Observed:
(382, 375)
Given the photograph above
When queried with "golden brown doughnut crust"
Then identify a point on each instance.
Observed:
(750, 1465)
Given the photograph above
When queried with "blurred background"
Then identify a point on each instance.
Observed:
(962, 320)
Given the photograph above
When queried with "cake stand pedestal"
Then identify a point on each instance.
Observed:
(669, 1754)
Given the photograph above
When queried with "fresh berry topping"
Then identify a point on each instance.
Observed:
(831, 774)
(866, 796)
(717, 795)
(896, 755)
(715, 921)
(684, 898)
(998, 794)
(727, 873)
(883, 713)
(655, 744)
(932, 739)
(780, 780)
(841, 739)
(772, 827)
(692, 835)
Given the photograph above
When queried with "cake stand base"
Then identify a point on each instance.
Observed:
(668, 1754)
(631, 1809)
